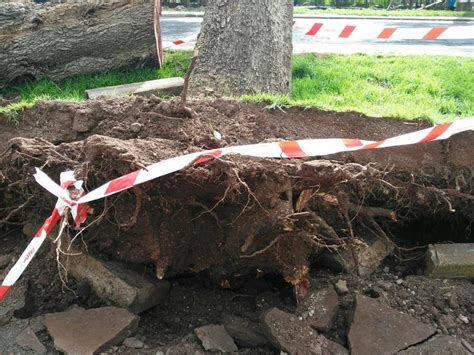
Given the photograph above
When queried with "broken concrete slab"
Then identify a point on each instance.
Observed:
(168, 86)
(379, 329)
(289, 334)
(286, 333)
(215, 338)
(28, 340)
(369, 255)
(443, 344)
(246, 334)
(114, 283)
(319, 308)
(14, 301)
(80, 331)
(450, 260)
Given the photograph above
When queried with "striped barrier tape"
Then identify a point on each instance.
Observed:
(328, 30)
(284, 149)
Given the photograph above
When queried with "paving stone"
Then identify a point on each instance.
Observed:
(13, 301)
(444, 344)
(450, 260)
(379, 329)
(122, 287)
(28, 340)
(319, 308)
(246, 334)
(290, 335)
(215, 338)
(79, 331)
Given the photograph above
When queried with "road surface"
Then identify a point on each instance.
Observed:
(371, 36)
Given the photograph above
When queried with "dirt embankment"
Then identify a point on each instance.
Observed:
(239, 214)
(236, 216)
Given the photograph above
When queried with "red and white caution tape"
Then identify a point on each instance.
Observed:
(78, 212)
(283, 149)
(335, 30)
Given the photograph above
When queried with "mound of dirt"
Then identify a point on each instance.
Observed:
(236, 216)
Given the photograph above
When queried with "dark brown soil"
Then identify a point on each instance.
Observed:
(229, 220)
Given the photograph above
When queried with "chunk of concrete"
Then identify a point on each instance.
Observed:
(114, 283)
(80, 331)
(369, 255)
(289, 334)
(443, 344)
(168, 86)
(246, 334)
(450, 260)
(319, 308)
(28, 340)
(379, 329)
(215, 338)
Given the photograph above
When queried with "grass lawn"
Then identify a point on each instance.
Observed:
(431, 88)
(382, 12)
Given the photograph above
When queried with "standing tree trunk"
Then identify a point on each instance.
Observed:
(244, 47)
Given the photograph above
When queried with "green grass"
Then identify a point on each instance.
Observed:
(382, 12)
(431, 88)
(176, 64)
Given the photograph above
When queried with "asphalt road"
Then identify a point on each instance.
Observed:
(456, 37)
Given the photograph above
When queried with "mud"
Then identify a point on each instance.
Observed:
(236, 220)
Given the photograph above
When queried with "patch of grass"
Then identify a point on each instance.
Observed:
(431, 88)
(176, 64)
(382, 12)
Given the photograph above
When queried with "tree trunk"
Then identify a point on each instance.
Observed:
(59, 41)
(244, 47)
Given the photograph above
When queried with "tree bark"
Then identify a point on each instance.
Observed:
(59, 41)
(244, 47)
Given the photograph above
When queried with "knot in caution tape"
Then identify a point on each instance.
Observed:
(71, 195)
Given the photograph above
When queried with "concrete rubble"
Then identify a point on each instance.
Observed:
(450, 260)
(122, 287)
(215, 338)
(246, 334)
(289, 334)
(369, 255)
(319, 308)
(379, 329)
(443, 344)
(28, 340)
(80, 331)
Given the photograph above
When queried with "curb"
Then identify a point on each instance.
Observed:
(338, 17)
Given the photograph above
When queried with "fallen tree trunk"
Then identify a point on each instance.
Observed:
(60, 41)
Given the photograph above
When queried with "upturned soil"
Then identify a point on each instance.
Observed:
(238, 235)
